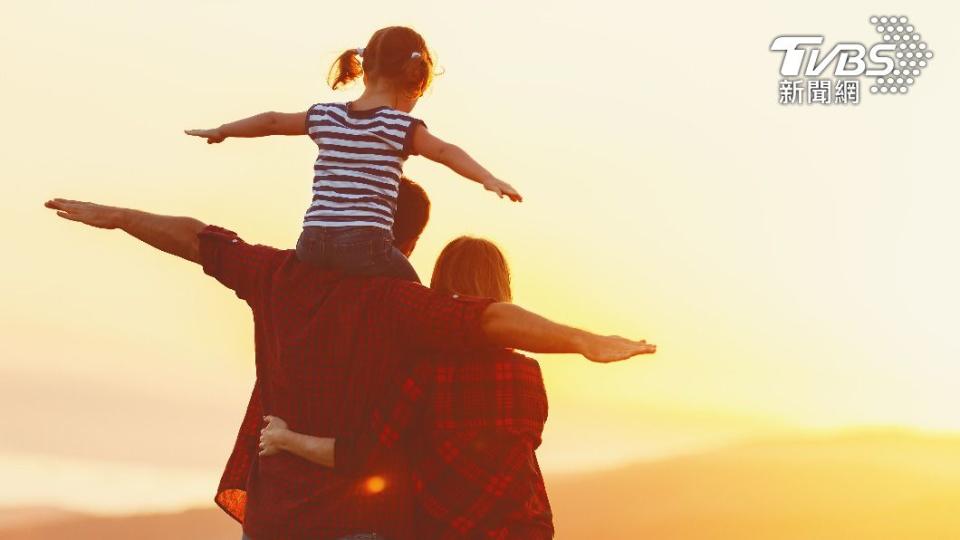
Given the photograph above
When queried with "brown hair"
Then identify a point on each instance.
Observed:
(472, 266)
(396, 53)
(413, 212)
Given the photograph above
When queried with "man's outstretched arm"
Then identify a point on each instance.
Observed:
(509, 325)
(174, 235)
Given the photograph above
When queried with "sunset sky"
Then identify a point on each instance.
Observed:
(797, 266)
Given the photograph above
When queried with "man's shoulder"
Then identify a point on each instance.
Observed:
(226, 256)
(400, 288)
(385, 293)
(222, 238)
(424, 304)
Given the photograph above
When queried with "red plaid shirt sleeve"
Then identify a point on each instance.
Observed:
(427, 320)
(234, 263)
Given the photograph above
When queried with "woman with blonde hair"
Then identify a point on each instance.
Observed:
(472, 266)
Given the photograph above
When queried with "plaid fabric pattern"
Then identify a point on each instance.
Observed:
(476, 474)
(471, 425)
(327, 347)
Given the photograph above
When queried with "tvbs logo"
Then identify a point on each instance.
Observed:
(894, 62)
(851, 58)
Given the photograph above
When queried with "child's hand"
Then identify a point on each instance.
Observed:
(213, 136)
(273, 437)
(502, 188)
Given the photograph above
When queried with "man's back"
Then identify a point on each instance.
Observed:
(322, 351)
(327, 346)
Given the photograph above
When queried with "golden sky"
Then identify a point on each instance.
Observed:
(795, 265)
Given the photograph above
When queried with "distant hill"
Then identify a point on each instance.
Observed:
(11, 518)
(871, 485)
(199, 524)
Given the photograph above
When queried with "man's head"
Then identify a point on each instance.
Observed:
(413, 212)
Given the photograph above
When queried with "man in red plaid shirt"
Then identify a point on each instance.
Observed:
(328, 346)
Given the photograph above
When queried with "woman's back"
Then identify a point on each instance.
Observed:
(474, 469)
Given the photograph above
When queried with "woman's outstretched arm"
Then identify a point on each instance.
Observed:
(509, 325)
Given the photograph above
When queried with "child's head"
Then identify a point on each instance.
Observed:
(395, 55)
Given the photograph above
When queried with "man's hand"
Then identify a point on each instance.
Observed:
(605, 349)
(95, 215)
(274, 436)
(502, 189)
(175, 235)
(213, 136)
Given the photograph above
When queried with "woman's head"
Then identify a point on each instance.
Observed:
(472, 266)
(395, 55)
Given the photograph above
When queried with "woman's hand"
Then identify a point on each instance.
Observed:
(273, 437)
(276, 437)
(605, 349)
(502, 189)
(213, 136)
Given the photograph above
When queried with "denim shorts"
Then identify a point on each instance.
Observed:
(359, 251)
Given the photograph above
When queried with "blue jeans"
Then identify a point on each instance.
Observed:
(358, 251)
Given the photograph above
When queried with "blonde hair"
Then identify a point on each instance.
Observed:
(472, 266)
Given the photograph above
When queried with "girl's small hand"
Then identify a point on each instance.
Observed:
(213, 136)
(502, 189)
(273, 436)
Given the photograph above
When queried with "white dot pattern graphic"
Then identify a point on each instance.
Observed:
(914, 57)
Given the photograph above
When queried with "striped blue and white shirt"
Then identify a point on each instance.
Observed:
(357, 173)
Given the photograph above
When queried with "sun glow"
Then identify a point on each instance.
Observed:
(794, 266)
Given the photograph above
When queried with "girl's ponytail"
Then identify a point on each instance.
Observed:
(346, 69)
(416, 73)
(396, 53)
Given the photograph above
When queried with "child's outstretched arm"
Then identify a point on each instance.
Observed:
(261, 125)
(451, 155)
